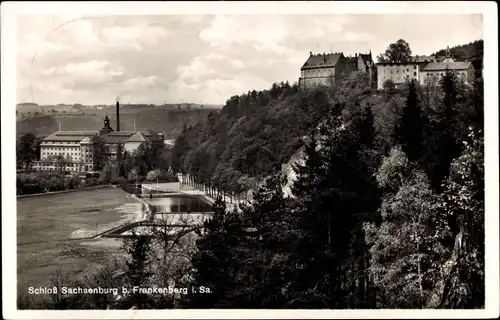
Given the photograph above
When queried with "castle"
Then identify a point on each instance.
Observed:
(324, 69)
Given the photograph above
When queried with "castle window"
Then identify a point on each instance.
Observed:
(415, 74)
(414, 67)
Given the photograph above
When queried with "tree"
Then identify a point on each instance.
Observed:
(308, 173)
(27, 148)
(144, 157)
(409, 131)
(125, 165)
(333, 202)
(215, 262)
(60, 162)
(366, 127)
(138, 272)
(408, 247)
(69, 159)
(153, 175)
(330, 79)
(398, 52)
(181, 147)
(119, 153)
(464, 284)
(106, 173)
(389, 87)
(99, 152)
(442, 134)
(48, 161)
(265, 272)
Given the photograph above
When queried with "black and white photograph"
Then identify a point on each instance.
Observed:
(251, 159)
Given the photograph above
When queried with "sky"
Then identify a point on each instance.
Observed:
(203, 58)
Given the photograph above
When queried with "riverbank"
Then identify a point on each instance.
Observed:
(21, 196)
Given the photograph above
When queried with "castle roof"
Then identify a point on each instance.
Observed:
(367, 58)
(324, 60)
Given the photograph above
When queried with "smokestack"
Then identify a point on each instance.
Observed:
(117, 114)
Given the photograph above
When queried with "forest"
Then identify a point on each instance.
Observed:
(386, 212)
(471, 51)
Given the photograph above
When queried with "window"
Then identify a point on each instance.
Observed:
(415, 74)
(407, 70)
(414, 67)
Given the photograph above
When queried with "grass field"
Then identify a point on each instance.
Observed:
(53, 232)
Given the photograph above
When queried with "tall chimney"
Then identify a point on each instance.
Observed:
(117, 114)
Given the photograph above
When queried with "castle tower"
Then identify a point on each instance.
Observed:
(106, 128)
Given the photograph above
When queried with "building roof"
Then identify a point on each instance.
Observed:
(125, 136)
(107, 134)
(452, 65)
(383, 64)
(113, 139)
(322, 60)
(136, 137)
(367, 58)
(76, 136)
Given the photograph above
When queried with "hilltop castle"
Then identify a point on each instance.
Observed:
(327, 68)
(323, 69)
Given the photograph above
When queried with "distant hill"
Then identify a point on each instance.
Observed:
(169, 121)
(29, 106)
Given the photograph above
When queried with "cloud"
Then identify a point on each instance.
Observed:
(202, 58)
(271, 31)
(132, 35)
(212, 65)
(215, 90)
(141, 82)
